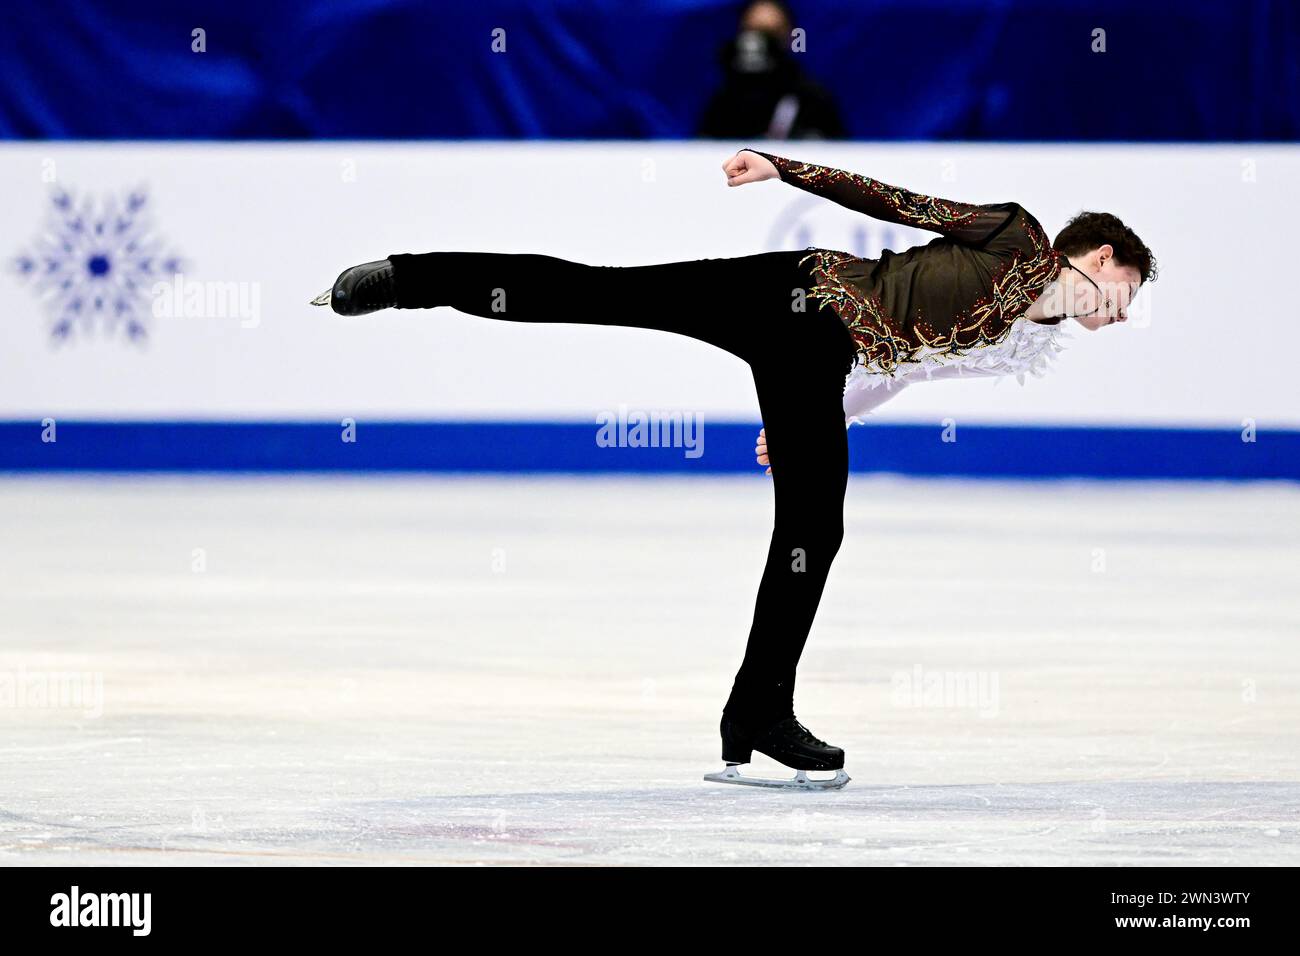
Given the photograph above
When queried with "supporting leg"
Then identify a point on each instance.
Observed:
(801, 401)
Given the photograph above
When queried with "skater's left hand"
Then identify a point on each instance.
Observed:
(748, 167)
(760, 450)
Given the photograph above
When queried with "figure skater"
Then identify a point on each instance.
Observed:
(984, 299)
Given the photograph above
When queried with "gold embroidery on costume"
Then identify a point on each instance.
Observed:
(883, 344)
(913, 208)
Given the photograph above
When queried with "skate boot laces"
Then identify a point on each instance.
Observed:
(801, 733)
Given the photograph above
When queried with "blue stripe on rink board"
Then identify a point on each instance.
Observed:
(989, 451)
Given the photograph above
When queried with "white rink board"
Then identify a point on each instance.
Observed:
(285, 218)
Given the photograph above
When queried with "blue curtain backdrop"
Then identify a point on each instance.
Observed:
(900, 69)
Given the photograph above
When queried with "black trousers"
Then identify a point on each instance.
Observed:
(754, 308)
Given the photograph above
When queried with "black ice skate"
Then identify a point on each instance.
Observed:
(788, 742)
(361, 289)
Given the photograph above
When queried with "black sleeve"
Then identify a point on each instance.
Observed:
(958, 221)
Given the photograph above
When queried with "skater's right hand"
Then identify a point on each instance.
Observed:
(760, 450)
(748, 167)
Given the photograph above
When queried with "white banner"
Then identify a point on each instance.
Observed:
(181, 276)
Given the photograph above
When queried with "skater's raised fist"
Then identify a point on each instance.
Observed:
(760, 449)
(748, 167)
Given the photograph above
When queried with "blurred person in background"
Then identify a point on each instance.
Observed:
(766, 93)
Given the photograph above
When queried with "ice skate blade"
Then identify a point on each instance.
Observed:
(801, 781)
(323, 298)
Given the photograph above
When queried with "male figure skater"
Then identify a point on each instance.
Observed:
(983, 299)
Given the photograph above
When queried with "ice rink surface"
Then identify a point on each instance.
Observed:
(502, 670)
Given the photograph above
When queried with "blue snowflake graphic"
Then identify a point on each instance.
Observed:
(94, 265)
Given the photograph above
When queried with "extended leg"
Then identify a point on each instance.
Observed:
(728, 303)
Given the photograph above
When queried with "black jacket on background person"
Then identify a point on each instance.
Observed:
(766, 94)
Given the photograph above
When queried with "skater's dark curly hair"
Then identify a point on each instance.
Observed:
(1088, 230)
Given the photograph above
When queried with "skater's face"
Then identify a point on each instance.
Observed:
(1105, 300)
